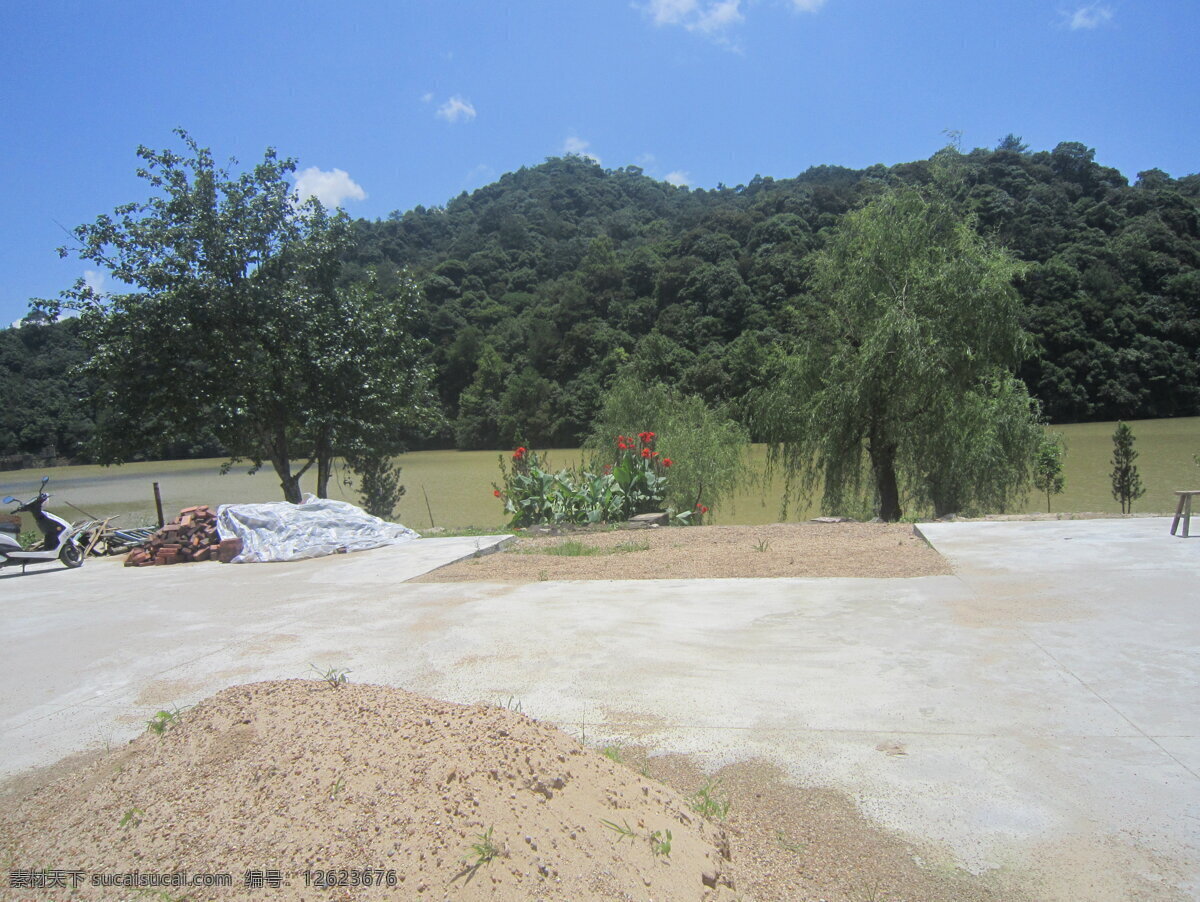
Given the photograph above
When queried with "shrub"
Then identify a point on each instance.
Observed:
(379, 485)
(707, 449)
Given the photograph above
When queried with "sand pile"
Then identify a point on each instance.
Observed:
(295, 776)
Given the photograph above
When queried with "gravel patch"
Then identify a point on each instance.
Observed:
(874, 550)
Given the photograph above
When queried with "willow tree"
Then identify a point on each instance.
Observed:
(903, 389)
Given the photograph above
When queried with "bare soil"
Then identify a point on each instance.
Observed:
(711, 552)
(446, 802)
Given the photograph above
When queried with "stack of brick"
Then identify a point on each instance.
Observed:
(192, 536)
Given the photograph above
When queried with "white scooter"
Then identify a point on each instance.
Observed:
(59, 537)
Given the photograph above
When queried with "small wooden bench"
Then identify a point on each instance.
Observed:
(1183, 510)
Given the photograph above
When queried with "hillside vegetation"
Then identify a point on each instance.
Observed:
(537, 288)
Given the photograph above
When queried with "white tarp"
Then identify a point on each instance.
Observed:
(280, 531)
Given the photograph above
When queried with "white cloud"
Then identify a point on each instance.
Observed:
(330, 188)
(578, 146)
(716, 17)
(1089, 17)
(670, 12)
(712, 18)
(456, 109)
(95, 280)
(427, 97)
(678, 178)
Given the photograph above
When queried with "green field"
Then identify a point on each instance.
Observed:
(458, 484)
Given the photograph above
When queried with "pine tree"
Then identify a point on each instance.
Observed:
(1126, 483)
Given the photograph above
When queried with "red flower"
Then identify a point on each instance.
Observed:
(496, 493)
(645, 452)
(666, 461)
(703, 510)
(519, 453)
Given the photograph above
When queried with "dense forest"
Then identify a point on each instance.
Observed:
(539, 287)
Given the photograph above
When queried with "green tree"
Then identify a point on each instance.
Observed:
(906, 373)
(379, 485)
(1048, 467)
(234, 326)
(1126, 482)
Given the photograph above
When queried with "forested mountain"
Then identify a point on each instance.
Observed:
(539, 286)
(40, 413)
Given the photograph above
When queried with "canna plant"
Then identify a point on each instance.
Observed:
(635, 483)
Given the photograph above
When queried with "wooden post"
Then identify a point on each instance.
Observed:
(427, 507)
(158, 506)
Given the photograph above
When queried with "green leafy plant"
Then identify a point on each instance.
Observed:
(336, 790)
(706, 447)
(612, 753)
(623, 830)
(569, 548)
(710, 801)
(334, 676)
(131, 818)
(762, 545)
(29, 538)
(660, 843)
(635, 483)
(483, 851)
(576, 548)
(164, 720)
(629, 547)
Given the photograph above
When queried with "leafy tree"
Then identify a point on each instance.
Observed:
(369, 385)
(42, 414)
(1048, 467)
(1012, 143)
(908, 372)
(234, 325)
(567, 270)
(1126, 482)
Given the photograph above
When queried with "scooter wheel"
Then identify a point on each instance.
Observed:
(71, 555)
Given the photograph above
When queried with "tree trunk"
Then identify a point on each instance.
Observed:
(883, 465)
(944, 504)
(287, 481)
(324, 465)
(324, 469)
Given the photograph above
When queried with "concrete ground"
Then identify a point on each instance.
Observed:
(1036, 713)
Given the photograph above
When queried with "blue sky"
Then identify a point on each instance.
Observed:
(393, 104)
